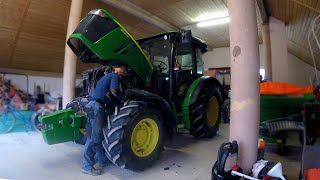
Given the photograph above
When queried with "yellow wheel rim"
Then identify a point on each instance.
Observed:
(212, 111)
(144, 138)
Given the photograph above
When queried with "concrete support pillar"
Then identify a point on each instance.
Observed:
(279, 50)
(245, 96)
(267, 51)
(70, 60)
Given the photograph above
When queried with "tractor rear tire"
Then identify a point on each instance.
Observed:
(226, 111)
(134, 135)
(205, 113)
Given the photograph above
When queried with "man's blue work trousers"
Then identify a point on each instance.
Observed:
(93, 150)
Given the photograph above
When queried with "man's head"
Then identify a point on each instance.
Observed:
(120, 70)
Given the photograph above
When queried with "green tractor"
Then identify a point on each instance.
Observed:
(165, 88)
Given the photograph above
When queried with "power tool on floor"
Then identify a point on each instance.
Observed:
(226, 168)
(226, 160)
(227, 157)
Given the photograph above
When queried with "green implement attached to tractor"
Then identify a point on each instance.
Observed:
(165, 88)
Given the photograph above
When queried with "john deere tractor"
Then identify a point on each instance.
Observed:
(165, 88)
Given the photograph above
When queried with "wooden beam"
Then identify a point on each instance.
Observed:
(263, 11)
(141, 13)
(299, 55)
(307, 6)
(16, 37)
(33, 73)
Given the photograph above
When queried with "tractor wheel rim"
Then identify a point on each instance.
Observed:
(144, 138)
(212, 111)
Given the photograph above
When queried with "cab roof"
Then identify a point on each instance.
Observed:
(195, 41)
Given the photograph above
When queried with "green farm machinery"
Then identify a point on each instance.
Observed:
(165, 89)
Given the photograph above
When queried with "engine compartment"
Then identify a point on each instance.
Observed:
(92, 76)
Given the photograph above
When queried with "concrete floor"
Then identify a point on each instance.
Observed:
(26, 156)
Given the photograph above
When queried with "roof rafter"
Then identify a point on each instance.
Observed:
(137, 11)
(263, 11)
(16, 37)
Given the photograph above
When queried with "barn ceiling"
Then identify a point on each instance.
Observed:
(298, 16)
(33, 32)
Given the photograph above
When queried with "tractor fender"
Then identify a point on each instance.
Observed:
(197, 85)
(193, 93)
(142, 95)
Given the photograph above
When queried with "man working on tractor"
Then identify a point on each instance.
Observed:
(93, 150)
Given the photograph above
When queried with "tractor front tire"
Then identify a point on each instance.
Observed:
(134, 135)
(205, 113)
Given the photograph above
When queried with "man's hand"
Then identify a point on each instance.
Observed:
(118, 94)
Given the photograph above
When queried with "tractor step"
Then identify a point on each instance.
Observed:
(284, 125)
(62, 126)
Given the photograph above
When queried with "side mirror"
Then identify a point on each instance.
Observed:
(186, 37)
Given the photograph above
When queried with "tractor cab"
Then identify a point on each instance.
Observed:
(176, 62)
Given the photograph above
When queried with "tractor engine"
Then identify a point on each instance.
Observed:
(92, 76)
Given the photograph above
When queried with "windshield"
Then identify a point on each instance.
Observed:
(184, 57)
(200, 63)
(158, 51)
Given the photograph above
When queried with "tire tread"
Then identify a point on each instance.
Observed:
(115, 135)
(198, 114)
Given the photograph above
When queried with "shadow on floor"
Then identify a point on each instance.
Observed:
(170, 159)
(181, 140)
